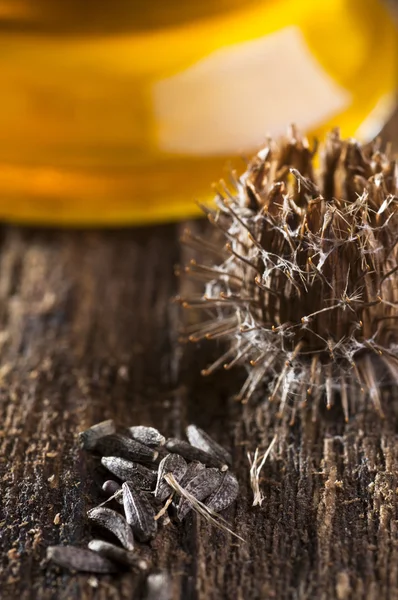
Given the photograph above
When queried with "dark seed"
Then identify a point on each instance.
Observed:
(200, 487)
(158, 587)
(125, 447)
(110, 487)
(126, 470)
(200, 439)
(90, 436)
(117, 554)
(139, 512)
(172, 463)
(115, 523)
(80, 559)
(147, 435)
(225, 494)
(191, 453)
(194, 468)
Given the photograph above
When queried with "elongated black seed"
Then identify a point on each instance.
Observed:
(89, 437)
(117, 554)
(225, 494)
(194, 468)
(147, 435)
(191, 453)
(143, 478)
(172, 463)
(115, 523)
(200, 439)
(125, 447)
(139, 513)
(80, 559)
(110, 487)
(200, 487)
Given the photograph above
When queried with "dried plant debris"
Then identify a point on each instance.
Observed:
(304, 289)
(153, 478)
(256, 464)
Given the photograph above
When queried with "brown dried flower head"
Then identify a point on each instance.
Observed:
(305, 289)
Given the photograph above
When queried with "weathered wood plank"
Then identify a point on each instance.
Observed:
(87, 332)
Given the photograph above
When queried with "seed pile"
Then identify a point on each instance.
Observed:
(152, 478)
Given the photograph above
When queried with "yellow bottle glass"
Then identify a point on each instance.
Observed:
(125, 112)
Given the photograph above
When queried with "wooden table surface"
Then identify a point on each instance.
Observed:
(87, 332)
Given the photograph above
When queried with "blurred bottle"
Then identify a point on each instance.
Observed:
(125, 111)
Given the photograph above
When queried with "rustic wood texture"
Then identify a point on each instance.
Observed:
(87, 332)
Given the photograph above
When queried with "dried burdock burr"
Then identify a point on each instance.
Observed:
(305, 289)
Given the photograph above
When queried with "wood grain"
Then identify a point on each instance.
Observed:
(87, 332)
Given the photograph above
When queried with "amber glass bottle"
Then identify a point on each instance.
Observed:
(125, 112)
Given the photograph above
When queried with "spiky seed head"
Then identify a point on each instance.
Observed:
(305, 289)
